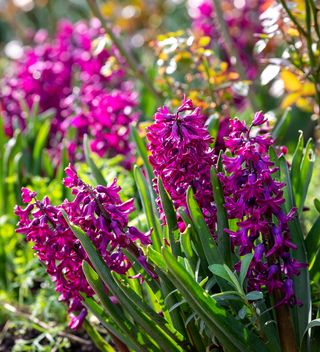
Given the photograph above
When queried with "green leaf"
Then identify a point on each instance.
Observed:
(224, 272)
(301, 315)
(171, 218)
(314, 323)
(97, 339)
(40, 143)
(314, 267)
(143, 153)
(281, 129)
(208, 245)
(317, 204)
(114, 311)
(196, 244)
(213, 125)
(230, 333)
(312, 240)
(93, 167)
(296, 161)
(186, 245)
(254, 296)
(222, 219)
(107, 322)
(148, 208)
(245, 263)
(306, 169)
(148, 324)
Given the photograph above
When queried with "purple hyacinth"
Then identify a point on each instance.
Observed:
(68, 74)
(254, 197)
(101, 214)
(181, 156)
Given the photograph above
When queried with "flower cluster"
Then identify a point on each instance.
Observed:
(243, 24)
(181, 156)
(254, 197)
(101, 214)
(68, 74)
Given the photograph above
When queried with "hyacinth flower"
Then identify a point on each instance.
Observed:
(80, 82)
(101, 214)
(254, 198)
(181, 155)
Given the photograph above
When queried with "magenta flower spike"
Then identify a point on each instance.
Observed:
(67, 74)
(181, 156)
(101, 214)
(255, 198)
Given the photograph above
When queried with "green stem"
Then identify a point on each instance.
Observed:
(231, 49)
(284, 322)
(132, 63)
(293, 19)
(315, 16)
(309, 34)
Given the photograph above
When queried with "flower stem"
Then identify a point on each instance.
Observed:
(293, 19)
(132, 63)
(283, 317)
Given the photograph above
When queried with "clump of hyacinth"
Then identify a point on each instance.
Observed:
(243, 24)
(254, 197)
(181, 155)
(101, 214)
(79, 81)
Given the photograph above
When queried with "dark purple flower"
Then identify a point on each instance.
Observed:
(27, 195)
(181, 156)
(255, 198)
(101, 214)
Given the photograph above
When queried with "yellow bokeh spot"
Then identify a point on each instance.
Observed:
(289, 100)
(291, 81)
(304, 104)
(204, 41)
(293, 32)
(308, 89)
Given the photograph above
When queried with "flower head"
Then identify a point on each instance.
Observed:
(67, 75)
(101, 214)
(181, 156)
(254, 197)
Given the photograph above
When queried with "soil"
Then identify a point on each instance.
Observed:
(12, 335)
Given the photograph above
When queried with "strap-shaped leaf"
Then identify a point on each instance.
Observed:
(114, 311)
(314, 323)
(245, 263)
(108, 323)
(209, 246)
(171, 218)
(313, 240)
(143, 153)
(40, 142)
(148, 324)
(93, 167)
(222, 219)
(96, 338)
(280, 130)
(306, 169)
(301, 315)
(222, 270)
(148, 208)
(296, 162)
(230, 332)
(196, 244)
